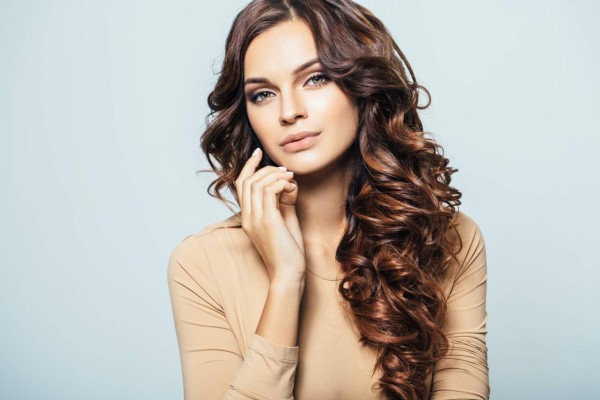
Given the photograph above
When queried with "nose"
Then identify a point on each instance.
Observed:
(292, 108)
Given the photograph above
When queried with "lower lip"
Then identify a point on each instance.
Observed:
(301, 144)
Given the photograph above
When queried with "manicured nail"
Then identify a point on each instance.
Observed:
(282, 168)
(256, 151)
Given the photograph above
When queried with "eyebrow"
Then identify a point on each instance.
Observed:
(296, 71)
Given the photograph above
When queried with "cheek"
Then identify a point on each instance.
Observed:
(259, 123)
(343, 114)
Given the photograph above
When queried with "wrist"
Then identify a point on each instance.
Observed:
(287, 285)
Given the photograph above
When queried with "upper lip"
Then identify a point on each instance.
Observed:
(297, 136)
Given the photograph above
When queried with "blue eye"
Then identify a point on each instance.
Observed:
(319, 79)
(318, 75)
(254, 97)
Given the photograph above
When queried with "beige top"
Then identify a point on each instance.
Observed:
(218, 285)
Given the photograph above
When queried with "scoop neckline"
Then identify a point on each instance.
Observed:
(236, 219)
(322, 277)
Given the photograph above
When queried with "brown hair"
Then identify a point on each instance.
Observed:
(400, 204)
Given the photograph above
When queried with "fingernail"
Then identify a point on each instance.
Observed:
(282, 168)
(256, 151)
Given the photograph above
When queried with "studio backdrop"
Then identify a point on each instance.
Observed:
(102, 104)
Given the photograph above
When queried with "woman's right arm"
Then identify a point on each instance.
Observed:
(268, 202)
(211, 363)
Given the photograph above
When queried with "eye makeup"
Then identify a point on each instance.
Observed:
(255, 97)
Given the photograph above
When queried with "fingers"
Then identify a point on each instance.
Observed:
(250, 165)
(253, 184)
(266, 186)
(249, 173)
(259, 190)
(269, 186)
(246, 172)
(271, 194)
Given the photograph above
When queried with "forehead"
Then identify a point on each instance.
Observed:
(280, 49)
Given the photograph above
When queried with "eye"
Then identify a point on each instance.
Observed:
(318, 76)
(256, 97)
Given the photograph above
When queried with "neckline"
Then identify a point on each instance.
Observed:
(322, 277)
(236, 220)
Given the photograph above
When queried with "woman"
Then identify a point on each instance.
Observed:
(349, 272)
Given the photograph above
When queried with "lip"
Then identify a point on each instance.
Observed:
(302, 144)
(297, 136)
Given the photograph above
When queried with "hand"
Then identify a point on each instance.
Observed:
(267, 199)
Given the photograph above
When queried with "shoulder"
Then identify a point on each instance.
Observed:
(209, 238)
(233, 222)
(467, 237)
(466, 228)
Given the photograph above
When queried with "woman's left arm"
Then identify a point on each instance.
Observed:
(463, 372)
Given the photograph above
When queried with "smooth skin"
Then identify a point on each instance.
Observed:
(294, 227)
(269, 218)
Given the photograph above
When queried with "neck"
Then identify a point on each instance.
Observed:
(321, 203)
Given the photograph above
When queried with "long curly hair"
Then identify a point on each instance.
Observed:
(400, 205)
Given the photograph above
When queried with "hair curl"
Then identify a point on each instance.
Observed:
(400, 204)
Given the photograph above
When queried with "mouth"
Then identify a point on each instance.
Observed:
(301, 144)
(294, 137)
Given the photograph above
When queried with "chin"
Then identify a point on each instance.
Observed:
(306, 167)
(302, 168)
(301, 162)
(306, 171)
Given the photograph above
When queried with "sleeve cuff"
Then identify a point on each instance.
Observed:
(268, 371)
(273, 350)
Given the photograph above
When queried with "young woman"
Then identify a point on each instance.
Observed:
(349, 272)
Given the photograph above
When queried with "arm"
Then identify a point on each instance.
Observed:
(212, 365)
(463, 372)
(279, 320)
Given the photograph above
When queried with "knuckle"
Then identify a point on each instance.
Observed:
(255, 222)
(255, 185)
(271, 169)
(268, 221)
(277, 185)
(249, 224)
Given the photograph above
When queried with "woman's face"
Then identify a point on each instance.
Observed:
(280, 101)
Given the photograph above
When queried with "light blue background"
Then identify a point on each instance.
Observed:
(101, 107)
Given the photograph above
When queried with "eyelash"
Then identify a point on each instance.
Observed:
(254, 96)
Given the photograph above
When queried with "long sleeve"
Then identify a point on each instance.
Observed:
(212, 364)
(463, 372)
